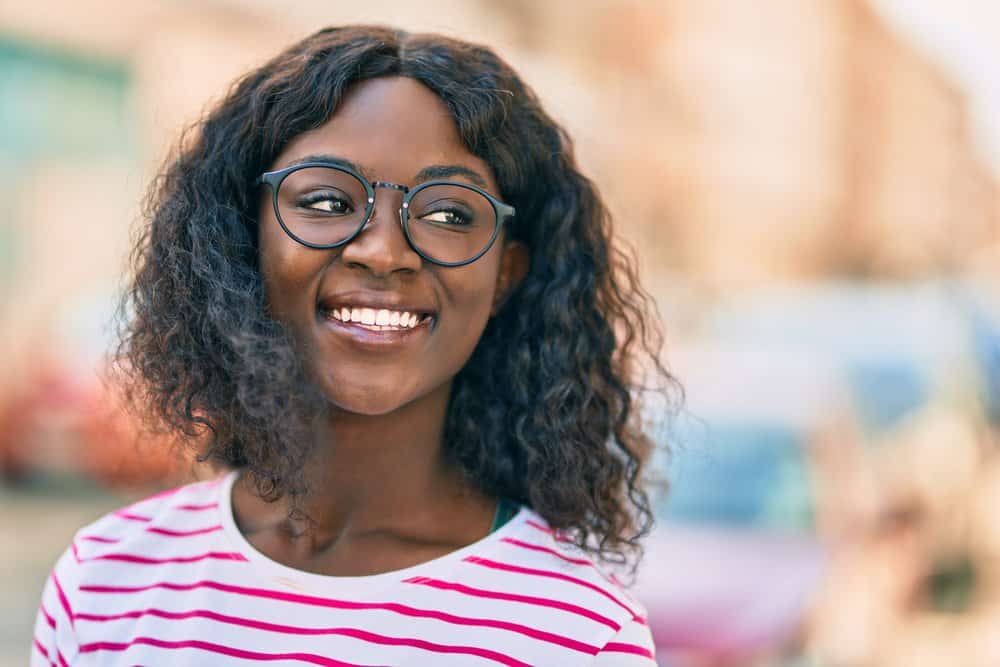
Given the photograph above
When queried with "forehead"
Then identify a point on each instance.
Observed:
(391, 127)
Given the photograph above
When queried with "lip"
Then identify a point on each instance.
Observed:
(360, 336)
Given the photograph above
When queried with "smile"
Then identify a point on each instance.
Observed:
(381, 319)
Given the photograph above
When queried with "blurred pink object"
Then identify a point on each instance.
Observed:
(727, 592)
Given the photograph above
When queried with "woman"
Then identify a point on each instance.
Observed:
(376, 287)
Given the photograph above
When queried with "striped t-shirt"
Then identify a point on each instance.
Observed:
(171, 580)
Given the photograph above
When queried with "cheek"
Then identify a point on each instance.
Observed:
(471, 298)
(286, 269)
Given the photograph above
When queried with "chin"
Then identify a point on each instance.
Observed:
(383, 398)
(371, 406)
(369, 399)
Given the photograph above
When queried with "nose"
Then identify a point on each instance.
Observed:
(381, 246)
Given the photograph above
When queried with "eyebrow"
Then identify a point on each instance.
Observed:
(331, 159)
(425, 174)
(449, 170)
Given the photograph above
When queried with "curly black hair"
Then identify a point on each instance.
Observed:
(545, 412)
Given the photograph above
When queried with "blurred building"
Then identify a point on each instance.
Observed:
(738, 144)
(774, 141)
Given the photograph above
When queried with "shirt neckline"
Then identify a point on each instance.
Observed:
(310, 581)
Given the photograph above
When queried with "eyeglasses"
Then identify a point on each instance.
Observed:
(323, 205)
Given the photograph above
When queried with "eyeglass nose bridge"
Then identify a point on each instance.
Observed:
(392, 186)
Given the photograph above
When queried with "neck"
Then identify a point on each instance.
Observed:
(380, 475)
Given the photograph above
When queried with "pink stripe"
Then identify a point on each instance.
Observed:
(41, 649)
(355, 633)
(611, 579)
(545, 529)
(129, 516)
(146, 560)
(539, 547)
(62, 598)
(397, 608)
(618, 647)
(506, 567)
(126, 512)
(197, 508)
(62, 660)
(183, 533)
(512, 597)
(159, 531)
(216, 648)
(48, 617)
(162, 494)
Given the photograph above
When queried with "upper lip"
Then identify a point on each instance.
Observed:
(375, 302)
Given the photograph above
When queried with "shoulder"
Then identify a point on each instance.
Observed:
(184, 510)
(143, 533)
(528, 558)
(136, 534)
(537, 557)
(533, 546)
(146, 531)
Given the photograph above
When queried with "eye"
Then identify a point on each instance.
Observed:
(447, 217)
(325, 202)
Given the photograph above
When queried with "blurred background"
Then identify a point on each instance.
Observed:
(814, 191)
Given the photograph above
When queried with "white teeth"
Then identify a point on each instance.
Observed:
(380, 319)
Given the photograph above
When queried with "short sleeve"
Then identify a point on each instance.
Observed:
(55, 640)
(631, 647)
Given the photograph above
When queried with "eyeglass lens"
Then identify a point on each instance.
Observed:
(325, 206)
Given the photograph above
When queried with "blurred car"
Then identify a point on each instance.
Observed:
(734, 561)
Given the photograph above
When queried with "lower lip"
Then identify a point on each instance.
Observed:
(385, 339)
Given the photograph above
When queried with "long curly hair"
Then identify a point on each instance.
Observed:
(545, 412)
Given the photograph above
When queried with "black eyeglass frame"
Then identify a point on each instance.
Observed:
(273, 179)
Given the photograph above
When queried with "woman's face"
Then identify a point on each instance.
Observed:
(392, 128)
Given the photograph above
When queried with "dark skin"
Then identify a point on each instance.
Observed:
(382, 498)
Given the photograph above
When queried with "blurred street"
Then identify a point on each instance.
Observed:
(36, 525)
